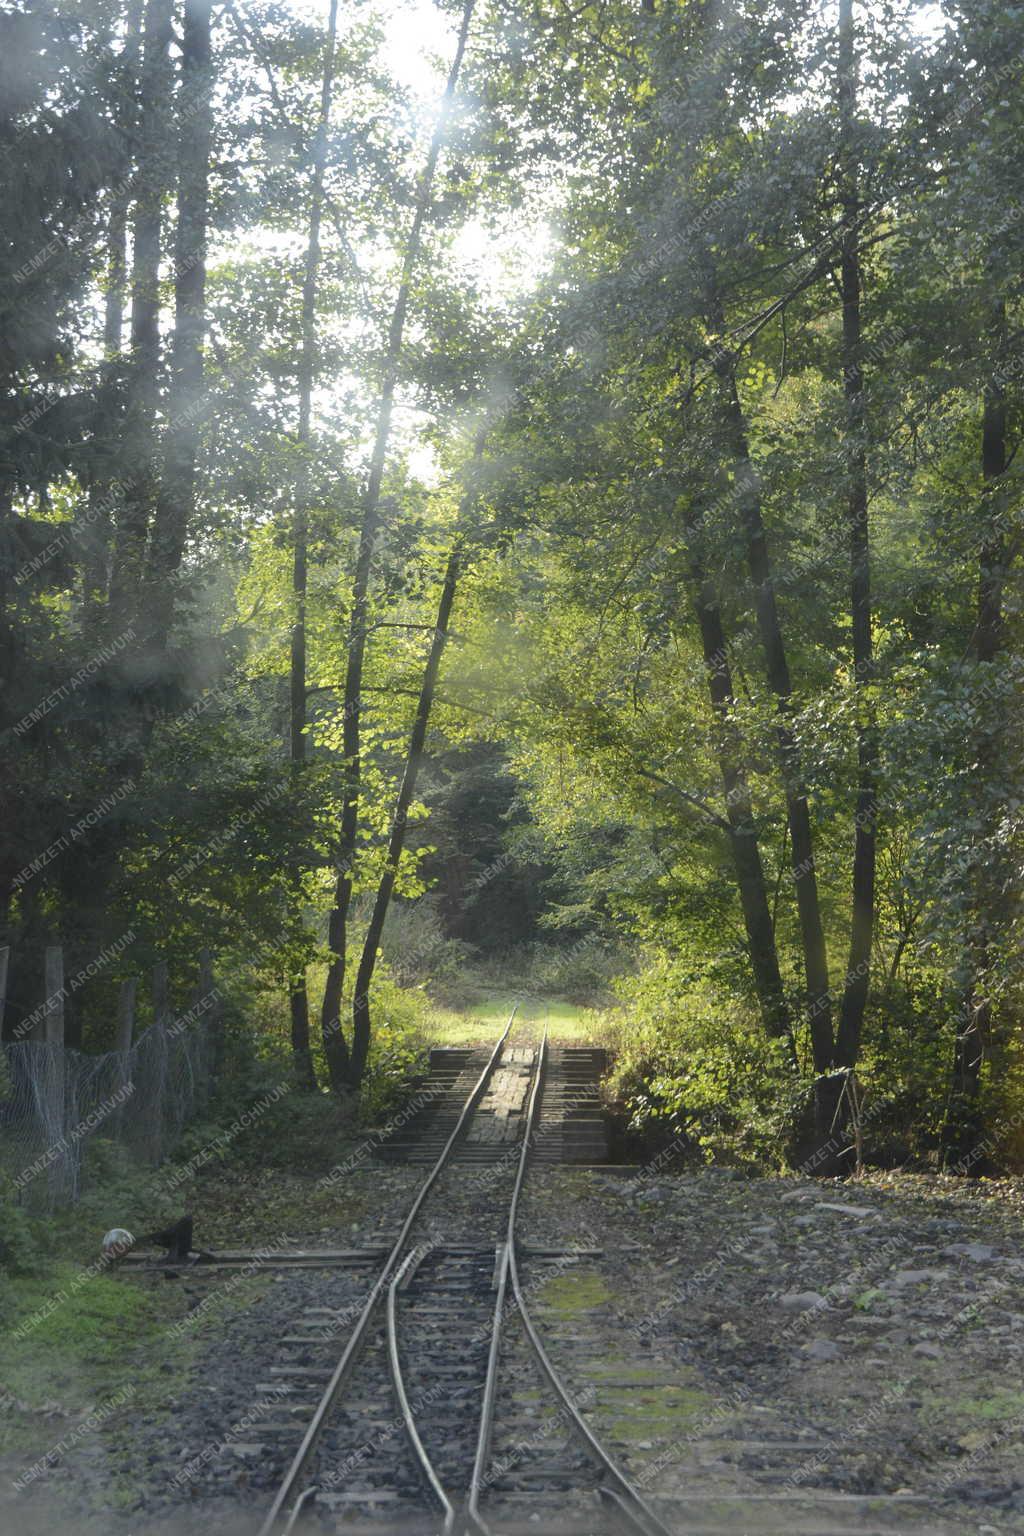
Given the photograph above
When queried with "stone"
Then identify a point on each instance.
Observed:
(847, 1210)
(929, 1351)
(917, 1276)
(802, 1301)
(979, 1253)
(822, 1349)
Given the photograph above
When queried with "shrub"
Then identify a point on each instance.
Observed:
(398, 1049)
(20, 1249)
(697, 1065)
(415, 947)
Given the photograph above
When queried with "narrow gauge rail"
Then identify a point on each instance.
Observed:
(427, 1466)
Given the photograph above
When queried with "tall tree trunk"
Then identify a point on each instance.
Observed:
(963, 1130)
(396, 841)
(10, 630)
(855, 991)
(117, 226)
(176, 501)
(801, 843)
(152, 182)
(342, 1069)
(743, 841)
(91, 862)
(107, 422)
(298, 996)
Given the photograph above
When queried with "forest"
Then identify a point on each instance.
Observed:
(525, 495)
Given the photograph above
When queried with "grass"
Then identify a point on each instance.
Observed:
(79, 1340)
(76, 1338)
(485, 1017)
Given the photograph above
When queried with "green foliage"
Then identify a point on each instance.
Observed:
(695, 1065)
(20, 1251)
(904, 1070)
(677, 352)
(416, 947)
(399, 1046)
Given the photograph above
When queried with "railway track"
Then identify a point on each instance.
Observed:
(443, 1411)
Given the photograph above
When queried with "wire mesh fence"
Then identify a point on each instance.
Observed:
(55, 1101)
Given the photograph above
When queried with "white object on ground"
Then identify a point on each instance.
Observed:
(117, 1241)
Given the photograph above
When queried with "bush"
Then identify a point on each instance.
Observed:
(415, 947)
(399, 1046)
(693, 1065)
(20, 1249)
(584, 973)
(904, 1071)
(1003, 1098)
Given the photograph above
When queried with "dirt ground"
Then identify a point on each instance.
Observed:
(763, 1354)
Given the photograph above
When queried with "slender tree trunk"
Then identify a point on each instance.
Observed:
(117, 227)
(297, 991)
(396, 841)
(855, 991)
(152, 182)
(176, 502)
(805, 881)
(130, 498)
(108, 420)
(342, 1069)
(963, 1131)
(828, 1084)
(9, 628)
(743, 841)
(117, 276)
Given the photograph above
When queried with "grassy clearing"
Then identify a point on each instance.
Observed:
(483, 1019)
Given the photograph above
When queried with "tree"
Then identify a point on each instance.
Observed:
(298, 999)
(346, 1067)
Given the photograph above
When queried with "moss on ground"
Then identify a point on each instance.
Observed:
(663, 1413)
(75, 1334)
(951, 1408)
(569, 1295)
(639, 1402)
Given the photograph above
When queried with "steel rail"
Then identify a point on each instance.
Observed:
(618, 1491)
(419, 1449)
(487, 1408)
(478, 1480)
(290, 1489)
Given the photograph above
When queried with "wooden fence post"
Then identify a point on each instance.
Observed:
(53, 1016)
(5, 958)
(205, 972)
(53, 1068)
(126, 1014)
(6, 1088)
(123, 1042)
(207, 1007)
(158, 1046)
(208, 986)
(161, 1006)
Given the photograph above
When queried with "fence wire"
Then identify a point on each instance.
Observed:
(54, 1101)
